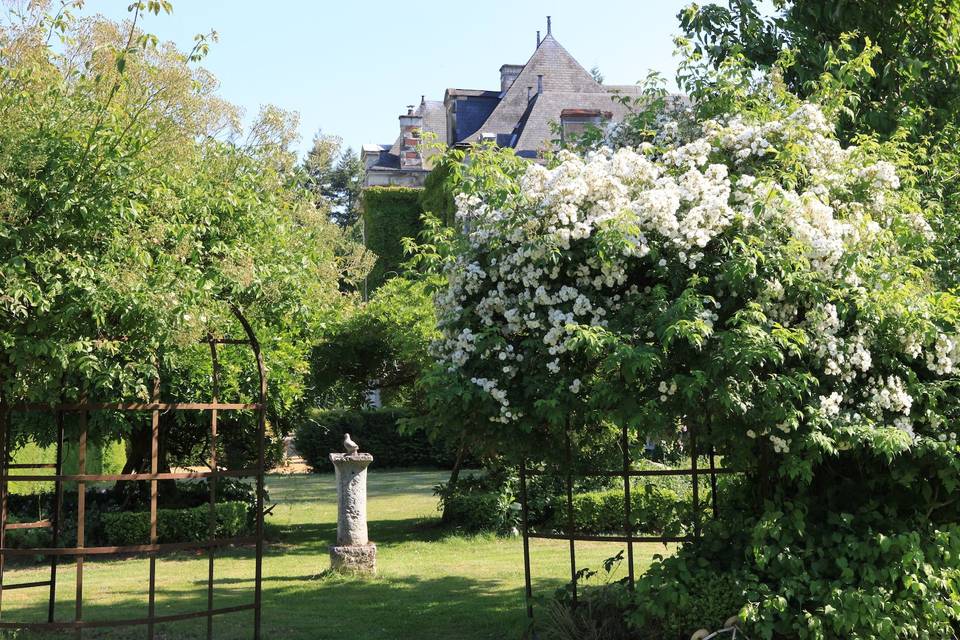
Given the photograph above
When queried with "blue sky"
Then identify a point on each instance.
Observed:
(350, 67)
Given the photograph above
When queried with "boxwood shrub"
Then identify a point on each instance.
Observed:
(376, 431)
(175, 525)
(653, 510)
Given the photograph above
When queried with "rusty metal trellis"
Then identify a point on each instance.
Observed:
(626, 473)
(154, 549)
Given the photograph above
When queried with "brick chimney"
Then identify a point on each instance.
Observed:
(509, 73)
(411, 126)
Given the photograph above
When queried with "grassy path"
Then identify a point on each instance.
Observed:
(430, 584)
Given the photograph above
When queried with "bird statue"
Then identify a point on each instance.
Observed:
(349, 445)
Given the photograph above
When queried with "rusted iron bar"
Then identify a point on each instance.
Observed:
(81, 521)
(525, 525)
(27, 585)
(139, 406)
(627, 524)
(571, 523)
(39, 524)
(261, 463)
(633, 473)
(212, 485)
(696, 482)
(113, 477)
(154, 494)
(129, 622)
(57, 522)
(159, 548)
(611, 538)
(4, 505)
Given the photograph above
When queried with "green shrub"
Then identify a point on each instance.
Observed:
(480, 503)
(377, 433)
(175, 525)
(675, 598)
(653, 510)
(389, 215)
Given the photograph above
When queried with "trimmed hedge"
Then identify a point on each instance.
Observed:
(653, 510)
(377, 433)
(175, 525)
(389, 214)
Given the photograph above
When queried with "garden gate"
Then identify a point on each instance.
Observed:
(626, 472)
(154, 549)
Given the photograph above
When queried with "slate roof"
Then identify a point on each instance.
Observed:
(518, 121)
(472, 93)
(536, 134)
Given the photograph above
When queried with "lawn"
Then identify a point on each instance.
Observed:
(430, 584)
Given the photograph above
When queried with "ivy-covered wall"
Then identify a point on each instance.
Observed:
(389, 215)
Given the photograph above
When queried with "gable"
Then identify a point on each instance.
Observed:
(561, 73)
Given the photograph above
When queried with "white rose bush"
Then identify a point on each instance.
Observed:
(760, 274)
(753, 279)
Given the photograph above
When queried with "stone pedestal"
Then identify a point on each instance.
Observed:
(353, 552)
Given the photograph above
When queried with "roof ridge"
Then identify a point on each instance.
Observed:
(567, 75)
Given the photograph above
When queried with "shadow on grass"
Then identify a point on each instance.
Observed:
(306, 488)
(382, 532)
(325, 607)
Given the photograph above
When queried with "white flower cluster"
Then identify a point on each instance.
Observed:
(945, 356)
(589, 235)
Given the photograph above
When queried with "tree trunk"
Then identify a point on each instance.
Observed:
(455, 471)
(139, 460)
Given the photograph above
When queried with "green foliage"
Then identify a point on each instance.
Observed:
(390, 214)
(846, 526)
(382, 344)
(911, 81)
(436, 199)
(480, 502)
(907, 91)
(384, 433)
(653, 510)
(106, 457)
(674, 599)
(137, 219)
(334, 176)
(600, 614)
(175, 525)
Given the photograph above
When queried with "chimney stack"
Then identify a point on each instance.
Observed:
(549, 26)
(509, 73)
(538, 38)
(411, 126)
(539, 83)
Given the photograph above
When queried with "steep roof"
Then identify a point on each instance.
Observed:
(560, 71)
(536, 135)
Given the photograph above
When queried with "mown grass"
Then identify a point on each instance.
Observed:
(431, 584)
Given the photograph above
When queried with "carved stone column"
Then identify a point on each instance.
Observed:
(353, 552)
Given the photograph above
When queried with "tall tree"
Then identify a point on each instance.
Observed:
(335, 176)
(136, 218)
(909, 91)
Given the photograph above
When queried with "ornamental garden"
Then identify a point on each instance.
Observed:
(691, 375)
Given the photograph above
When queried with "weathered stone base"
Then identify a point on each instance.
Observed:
(361, 558)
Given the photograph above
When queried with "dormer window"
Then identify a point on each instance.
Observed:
(575, 122)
